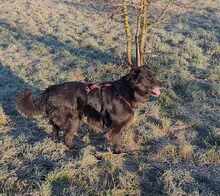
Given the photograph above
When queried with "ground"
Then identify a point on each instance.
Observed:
(44, 42)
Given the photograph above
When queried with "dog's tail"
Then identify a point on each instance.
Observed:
(28, 105)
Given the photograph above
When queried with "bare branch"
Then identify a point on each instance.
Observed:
(138, 60)
(163, 13)
(127, 31)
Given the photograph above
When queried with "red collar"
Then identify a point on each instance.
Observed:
(95, 86)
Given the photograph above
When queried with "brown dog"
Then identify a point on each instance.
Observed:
(105, 106)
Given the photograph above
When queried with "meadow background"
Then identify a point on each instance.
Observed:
(43, 42)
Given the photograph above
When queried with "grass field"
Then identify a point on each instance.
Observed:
(44, 42)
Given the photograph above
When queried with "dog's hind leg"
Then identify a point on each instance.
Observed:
(55, 133)
(66, 121)
(71, 130)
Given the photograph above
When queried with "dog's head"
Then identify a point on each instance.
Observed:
(145, 82)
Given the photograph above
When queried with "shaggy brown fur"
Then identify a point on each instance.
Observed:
(104, 106)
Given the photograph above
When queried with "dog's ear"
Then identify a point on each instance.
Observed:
(135, 73)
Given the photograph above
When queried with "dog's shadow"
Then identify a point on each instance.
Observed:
(17, 125)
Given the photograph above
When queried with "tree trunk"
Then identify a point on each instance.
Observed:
(137, 40)
(144, 7)
(127, 31)
(143, 33)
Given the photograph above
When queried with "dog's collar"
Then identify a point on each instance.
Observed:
(95, 86)
(92, 87)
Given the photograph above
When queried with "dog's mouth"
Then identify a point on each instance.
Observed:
(155, 91)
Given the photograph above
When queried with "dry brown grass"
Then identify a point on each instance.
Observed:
(211, 156)
(50, 41)
(186, 151)
(175, 153)
(168, 153)
(3, 118)
(174, 182)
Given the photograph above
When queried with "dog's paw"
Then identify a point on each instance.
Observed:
(115, 149)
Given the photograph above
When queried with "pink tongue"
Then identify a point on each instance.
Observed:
(156, 91)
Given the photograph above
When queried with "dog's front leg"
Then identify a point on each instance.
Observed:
(114, 138)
